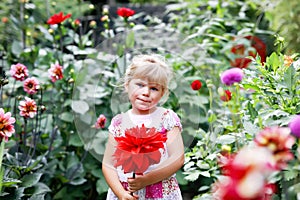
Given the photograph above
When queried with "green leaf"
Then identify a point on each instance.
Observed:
(130, 40)
(226, 139)
(72, 160)
(205, 173)
(75, 140)
(250, 128)
(67, 117)
(252, 112)
(101, 186)
(274, 61)
(80, 107)
(180, 178)
(97, 173)
(250, 86)
(38, 189)
(278, 113)
(290, 174)
(46, 33)
(81, 76)
(202, 165)
(78, 181)
(31, 179)
(192, 176)
(289, 78)
(120, 50)
(212, 118)
(16, 48)
(9, 182)
(18, 193)
(37, 197)
(98, 143)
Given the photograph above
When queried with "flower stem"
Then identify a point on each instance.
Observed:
(133, 176)
(1, 158)
(60, 38)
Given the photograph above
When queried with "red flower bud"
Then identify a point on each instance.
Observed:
(196, 85)
(226, 96)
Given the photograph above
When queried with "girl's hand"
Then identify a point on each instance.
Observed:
(127, 196)
(137, 183)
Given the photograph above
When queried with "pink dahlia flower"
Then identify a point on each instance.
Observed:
(279, 141)
(6, 125)
(100, 123)
(28, 108)
(31, 85)
(56, 72)
(19, 71)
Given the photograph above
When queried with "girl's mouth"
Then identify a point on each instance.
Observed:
(144, 100)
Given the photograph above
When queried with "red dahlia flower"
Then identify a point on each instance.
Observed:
(138, 149)
(125, 12)
(58, 18)
(257, 44)
(226, 96)
(196, 85)
(245, 175)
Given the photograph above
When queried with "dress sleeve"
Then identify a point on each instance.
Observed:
(170, 120)
(115, 125)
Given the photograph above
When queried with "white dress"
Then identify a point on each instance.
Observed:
(163, 120)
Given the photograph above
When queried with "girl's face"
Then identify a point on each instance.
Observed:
(144, 96)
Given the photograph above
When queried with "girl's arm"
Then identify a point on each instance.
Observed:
(110, 173)
(167, 168)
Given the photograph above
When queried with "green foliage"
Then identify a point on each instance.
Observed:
(284, 19)
(57, 154)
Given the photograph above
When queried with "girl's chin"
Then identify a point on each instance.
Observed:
(144, 110)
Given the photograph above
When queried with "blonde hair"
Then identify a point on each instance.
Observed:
(153, 68)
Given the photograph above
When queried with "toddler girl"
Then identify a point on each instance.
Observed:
(146, 82)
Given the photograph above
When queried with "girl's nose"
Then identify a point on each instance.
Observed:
(146, 91)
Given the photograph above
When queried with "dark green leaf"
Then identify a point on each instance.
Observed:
(31, 179)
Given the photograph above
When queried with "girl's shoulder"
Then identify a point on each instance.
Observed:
(115, 125)
(170, 120)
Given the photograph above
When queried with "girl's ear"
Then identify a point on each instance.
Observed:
(126, 87)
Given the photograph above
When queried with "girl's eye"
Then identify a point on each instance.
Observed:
(140, 84)
(154, 88)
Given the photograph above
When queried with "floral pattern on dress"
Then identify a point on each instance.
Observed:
(115, 126)
(169, 186)
(169, 121)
